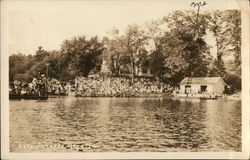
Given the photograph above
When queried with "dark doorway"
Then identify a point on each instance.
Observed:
(187, 89)
(203, 89)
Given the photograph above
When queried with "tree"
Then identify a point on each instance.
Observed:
(134, 41)
(183, 46)
(157, 59)
(54, 67)
(114, 52)
(191, 34)
(19, 64)
(218, 69)
(233, 18)
(128, 51)
(225, 27)
(41, 54)
(185, 22)
(79, 56)
(15, 61)
(155, 32)
(233, 81)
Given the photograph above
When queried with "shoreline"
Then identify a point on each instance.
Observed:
(162, 95)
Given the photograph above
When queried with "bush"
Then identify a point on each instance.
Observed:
(234, 82)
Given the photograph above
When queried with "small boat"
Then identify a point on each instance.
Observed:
(233, 97)
(36, 97)
(197, 96)
(208, 98)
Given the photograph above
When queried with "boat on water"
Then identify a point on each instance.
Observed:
(208, 98)
(36, 97)
(197, 96)
(233, 97)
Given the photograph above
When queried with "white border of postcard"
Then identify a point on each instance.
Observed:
(243, 5)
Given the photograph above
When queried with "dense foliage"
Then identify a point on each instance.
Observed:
(174, 47)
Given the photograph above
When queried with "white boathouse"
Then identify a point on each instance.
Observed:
(200, 85)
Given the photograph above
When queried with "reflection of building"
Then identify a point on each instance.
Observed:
(202, 85)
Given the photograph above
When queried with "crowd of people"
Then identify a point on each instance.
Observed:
(100, 86)
(116, 86)
(40, 86)
(36, 87)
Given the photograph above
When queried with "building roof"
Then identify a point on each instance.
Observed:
(201, 80)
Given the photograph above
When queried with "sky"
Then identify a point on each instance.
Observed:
(42, 23)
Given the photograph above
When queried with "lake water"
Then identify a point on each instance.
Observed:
(69, 124)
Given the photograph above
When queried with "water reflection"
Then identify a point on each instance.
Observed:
(127, 124)
(224, 125)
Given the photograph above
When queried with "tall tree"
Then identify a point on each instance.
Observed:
(233, 17)
(226, 29)
(79, 56)
(155, 31)
(134, 42)
(157, 60)
(114, 52)
(184, 45)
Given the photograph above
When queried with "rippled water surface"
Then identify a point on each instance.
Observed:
(124, 125)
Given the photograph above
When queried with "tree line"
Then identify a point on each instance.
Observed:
(174, 46)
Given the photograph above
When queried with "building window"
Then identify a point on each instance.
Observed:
(144, 70)
(203, 89)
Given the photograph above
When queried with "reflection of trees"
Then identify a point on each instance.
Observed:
(149, 124)
(224, 124)
(184, 123)
(125, 124)
(74, 118)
